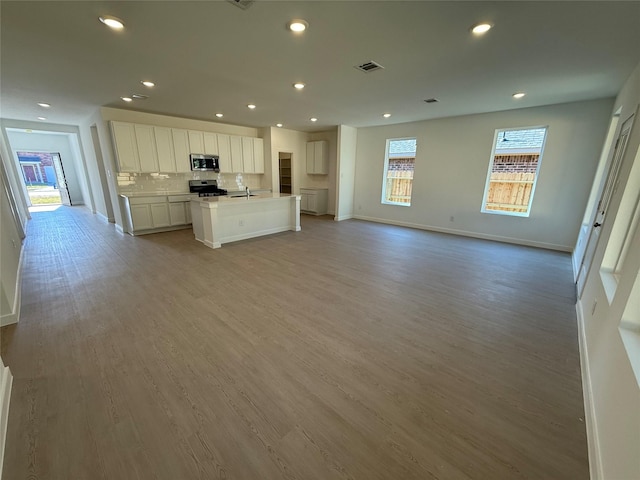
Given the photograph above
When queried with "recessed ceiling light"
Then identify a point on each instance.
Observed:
(279, 125)
(518, 95)
(219, 115)
(481, 28)
(112, 22)
(251, 106)
(44, 105)
(298, 85)
(42, 118)
(297, 25)
(127, 99)
(147, 83)
(313, 119)
(386, 115)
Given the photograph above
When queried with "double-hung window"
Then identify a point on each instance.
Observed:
(400, 160)
(513, 171)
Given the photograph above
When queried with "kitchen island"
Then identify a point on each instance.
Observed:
(219, 220)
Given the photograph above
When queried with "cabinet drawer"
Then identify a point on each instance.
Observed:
(147, 200)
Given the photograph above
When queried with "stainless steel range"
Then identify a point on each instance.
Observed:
(206, 188)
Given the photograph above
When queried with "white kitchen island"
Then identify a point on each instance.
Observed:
(219, 220)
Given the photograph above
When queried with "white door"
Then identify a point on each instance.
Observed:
(61, 180)
(610, 185)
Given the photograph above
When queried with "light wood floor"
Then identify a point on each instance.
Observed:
(349, 350)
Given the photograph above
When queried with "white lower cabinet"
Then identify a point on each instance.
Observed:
(156, 213)
(314, 200)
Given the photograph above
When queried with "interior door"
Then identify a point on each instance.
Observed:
(61, 180)
(610, 186)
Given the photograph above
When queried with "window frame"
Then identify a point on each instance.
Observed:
(487, 185)
(385, 171)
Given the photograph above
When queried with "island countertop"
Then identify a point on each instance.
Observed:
(213, 202)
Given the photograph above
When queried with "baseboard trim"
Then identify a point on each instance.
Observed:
(119, 229)
(5, 397)
(342, 217)
(103, 217)
(14, 316)
(465, 233)
(593, 444)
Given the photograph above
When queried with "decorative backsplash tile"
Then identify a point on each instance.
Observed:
(179, 182)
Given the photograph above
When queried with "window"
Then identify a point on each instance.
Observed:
(513, 171)
(399, 164)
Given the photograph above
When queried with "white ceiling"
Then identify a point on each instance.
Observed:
(210, 56)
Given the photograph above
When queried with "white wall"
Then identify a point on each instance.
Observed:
(612, 394)
(346, 171)
(21, 141)
(451, 167)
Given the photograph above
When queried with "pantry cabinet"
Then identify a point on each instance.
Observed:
(317, 158)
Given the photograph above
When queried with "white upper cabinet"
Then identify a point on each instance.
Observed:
(147, 152)
(317, 158)
(224, 152)
(196, 141)
(258, 155)
(210, 143)
(181, 150)
(125, 145)
(247, 155)
(237, 164)
(164, 147)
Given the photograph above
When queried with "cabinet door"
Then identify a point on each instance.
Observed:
(310, 157)
(320, 158)
(177, 213)
(196, 142)
(146, 148)
(224, 152)
(124, 139)
(160, 215)
(304, 201)
(210, 143)
(164, 148)
(181, 150)
(141, 217)
(312, 203)
(247, 155)
(236, 153)
(258, 155)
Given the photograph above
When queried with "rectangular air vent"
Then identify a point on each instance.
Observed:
(139, 96)
(243, 4)
(369, 67)
(432, 100)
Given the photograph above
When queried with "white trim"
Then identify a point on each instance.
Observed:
(103, 217)
(14, 316)
(465, 233)
(119, 229)
(6, 381)
(595, 462)
(343, 217)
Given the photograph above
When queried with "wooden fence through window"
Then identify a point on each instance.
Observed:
(511, 183)
(399, 180)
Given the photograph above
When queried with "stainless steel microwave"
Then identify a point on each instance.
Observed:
(201, 162)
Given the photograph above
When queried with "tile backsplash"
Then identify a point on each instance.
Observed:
(179, 182)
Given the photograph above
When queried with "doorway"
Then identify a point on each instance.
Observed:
(43, 177)
(286, 179)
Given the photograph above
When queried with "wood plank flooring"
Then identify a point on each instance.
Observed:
(348, 350)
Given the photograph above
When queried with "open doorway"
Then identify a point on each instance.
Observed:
(44, 179)
(286, 182)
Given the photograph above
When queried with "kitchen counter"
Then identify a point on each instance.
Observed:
(152, 194)
(219, 220)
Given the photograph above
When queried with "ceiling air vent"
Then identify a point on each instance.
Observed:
(243, 4)
(432, 100)
(139, 96)
(369, 67)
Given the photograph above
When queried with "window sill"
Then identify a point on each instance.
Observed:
(396, 203)
(509, 214)
(609, 283)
